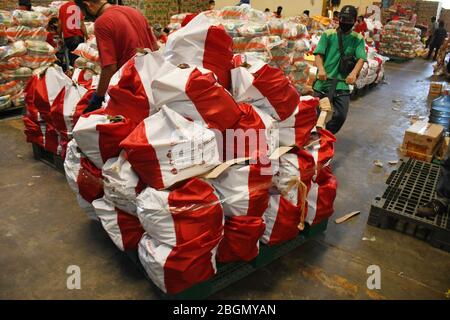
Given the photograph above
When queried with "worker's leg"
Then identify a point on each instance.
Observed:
(71, 44)
(340, 109)
(430, 52)
(436, 52)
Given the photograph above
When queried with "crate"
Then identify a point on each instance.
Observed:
(48, 157)
(413, 184)
(230, 273)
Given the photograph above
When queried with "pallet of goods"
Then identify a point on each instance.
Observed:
(167, 166)
(399, 39)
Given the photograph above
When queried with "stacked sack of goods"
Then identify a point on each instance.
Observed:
(400, 39)
(23, 52)
(87, 66)
(176, 162)
(372, 70)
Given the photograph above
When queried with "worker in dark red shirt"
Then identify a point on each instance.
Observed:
(71, 28)
(119, 31)
(360, 26)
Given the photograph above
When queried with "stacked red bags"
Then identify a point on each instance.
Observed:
(183, 229)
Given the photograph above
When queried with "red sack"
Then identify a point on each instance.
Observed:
(202, 44)
(321, 196)
(175, 269)
(124, 229)
(89, 180)
(241, 239)
(99, 135)
(33, 131)
(132, 96)
(195, 94)
(296, 129)
(176, 217)
(282, 219)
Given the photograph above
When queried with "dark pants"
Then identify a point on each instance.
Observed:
(341, 102)
(71, 44)
(434, 46)
(443, 186)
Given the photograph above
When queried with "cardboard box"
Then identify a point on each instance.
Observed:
(443, 149)
(422, 140)
(436, 89)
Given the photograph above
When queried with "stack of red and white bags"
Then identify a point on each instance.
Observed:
(160, 168)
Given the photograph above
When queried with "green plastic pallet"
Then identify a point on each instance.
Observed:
(229, 273)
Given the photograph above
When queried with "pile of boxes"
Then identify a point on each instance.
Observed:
(423, 141)
(425, 10)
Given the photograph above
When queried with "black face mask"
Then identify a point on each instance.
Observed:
(345, 27)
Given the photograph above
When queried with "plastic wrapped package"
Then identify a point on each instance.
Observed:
(35, 62)
(124, 229)
(29, 18)
(84, 78)
(241, 239)
(281, 56)
(86, 51)
(235, 13)
(89, 27)
(182, 214)
(10, 64)
(121, 184)
(266, 88)
(39, 48)
(178, 18)
(276, 27)
(10, 88)
(5, 102)
(293, 31)
(3, 36)
(174, 269)
(204, 44)
(17, 33)
(232, 27)
(83, 178)
(82, 63)
(19, 74)
(194, 93)
(5, 18)
(166, 148)
(131, 94)
(16, 49)
(46, 11)
(98, 135)
(253, 29)
(18, 99)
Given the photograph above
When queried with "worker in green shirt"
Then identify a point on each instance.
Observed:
(339, 63)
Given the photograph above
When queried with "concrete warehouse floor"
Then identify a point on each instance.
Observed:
(43, 230)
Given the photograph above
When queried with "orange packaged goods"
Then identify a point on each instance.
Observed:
(26, 33)
(422, 140)
(10, 64)
(33, 62)
(10, 88)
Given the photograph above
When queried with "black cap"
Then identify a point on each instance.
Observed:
(348, 14)
(24, 2)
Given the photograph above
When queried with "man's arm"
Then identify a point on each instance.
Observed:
(321, 74)
(105, 78)
(351, 78)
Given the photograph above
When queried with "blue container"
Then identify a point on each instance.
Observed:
(440, 112)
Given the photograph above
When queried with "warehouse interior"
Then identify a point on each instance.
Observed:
(45, 231)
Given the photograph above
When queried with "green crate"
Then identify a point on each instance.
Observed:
(229, 273)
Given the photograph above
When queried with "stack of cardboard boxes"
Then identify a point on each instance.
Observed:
(445, 16)
(436, 88)
(422, 141)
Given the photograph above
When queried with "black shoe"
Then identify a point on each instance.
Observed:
(431, 209)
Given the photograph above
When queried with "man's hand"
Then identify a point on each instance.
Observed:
(322, 75)
(94, 103)
(351, 78)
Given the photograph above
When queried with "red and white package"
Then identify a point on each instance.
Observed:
(203, 44)
(166, 148)
(121, 184)
(124, 229)
(282, 220)
(64, 110)
(296, 129)
(181, 215)
(83, 178)
(174, 269)
(321, 196)
(98, 135)
(129, 93)
(265, 87)
(287, 177)
(85, 78)
(194, 93)
(33, 131)
(244, 189)
(44, 88)
(254, 134)
(241, 239)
